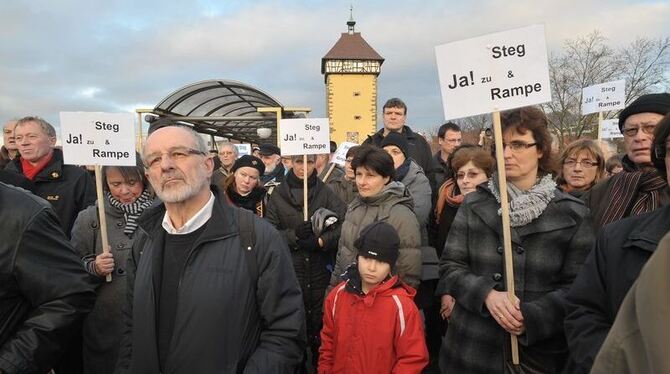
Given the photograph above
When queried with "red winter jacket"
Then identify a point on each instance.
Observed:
(381, 332)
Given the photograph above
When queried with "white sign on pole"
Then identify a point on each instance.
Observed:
(243, 149)
(603, 97)
(494, 72)
(96, 138)
(304, 136)
(609, 129)
(341, 152)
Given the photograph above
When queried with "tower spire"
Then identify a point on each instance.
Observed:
(351, 23)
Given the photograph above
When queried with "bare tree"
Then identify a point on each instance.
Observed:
(589, 60)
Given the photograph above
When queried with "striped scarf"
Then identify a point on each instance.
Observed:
(132, 211)
(634, 193)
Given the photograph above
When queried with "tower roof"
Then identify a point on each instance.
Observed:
(351, 47)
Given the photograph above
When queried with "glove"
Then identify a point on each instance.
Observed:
(304, 231)
(311, 243)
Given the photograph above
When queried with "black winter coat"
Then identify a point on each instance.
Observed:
(68, 188)
(225, 322)
(44, 291)
(313, 267)
(622, 249)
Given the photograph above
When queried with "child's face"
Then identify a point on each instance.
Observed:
(372, 271)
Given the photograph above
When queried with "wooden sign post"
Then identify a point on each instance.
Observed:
(488, 74)
(94, 138)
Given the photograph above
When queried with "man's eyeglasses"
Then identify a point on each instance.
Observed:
(587, 164)
(175, 154)
(632, 131)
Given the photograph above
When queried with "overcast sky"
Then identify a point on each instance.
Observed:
(70, 55)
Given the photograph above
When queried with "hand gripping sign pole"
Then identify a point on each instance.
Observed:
(507, 232)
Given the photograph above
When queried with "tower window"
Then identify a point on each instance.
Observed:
(357, 117)
(357, 93)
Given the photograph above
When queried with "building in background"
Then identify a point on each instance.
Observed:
(351, 68)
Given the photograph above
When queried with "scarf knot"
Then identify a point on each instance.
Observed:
(525, 206)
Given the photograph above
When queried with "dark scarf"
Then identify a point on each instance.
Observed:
(402, 170)
(295, 182)
(291, 189)
(248, 202)
(132, 211)
(634, 193)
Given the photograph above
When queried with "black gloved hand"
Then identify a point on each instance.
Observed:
(311, 243)
(304, 231)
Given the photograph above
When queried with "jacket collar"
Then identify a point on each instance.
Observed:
(406, 130)
(53, 170)
(649, 230)
(485, 206)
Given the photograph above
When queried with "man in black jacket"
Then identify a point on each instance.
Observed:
(621, 250)
(68, 188)
(44, 290)
(395, 115)
(198, 302)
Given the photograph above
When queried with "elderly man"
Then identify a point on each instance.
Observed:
(45, 292)
(395, 115)
(228, 154)
(212, 287)
(274, 169)
(68, 188)
(640, 188)
(8, 151)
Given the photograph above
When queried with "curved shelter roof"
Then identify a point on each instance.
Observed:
(223, 108)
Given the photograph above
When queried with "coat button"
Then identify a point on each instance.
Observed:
(497, 277)
(500, 250)
(120, 271)
(306, 259)
(119, 223)
(519, 250)
(120, 246)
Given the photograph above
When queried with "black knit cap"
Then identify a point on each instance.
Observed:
(397, 139)
(651, 103)
(249, 161)
(268, 150)
(380, 241)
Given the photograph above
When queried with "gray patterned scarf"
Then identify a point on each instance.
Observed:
(132, 211)
(525, 206)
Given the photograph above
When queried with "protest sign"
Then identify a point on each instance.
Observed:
(304, 136)
(341, 153)
(243, 149)
(603, 97)
(609, 129)
(494, 72)
(96, 138)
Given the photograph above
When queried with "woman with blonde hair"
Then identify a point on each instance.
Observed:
(582, 166)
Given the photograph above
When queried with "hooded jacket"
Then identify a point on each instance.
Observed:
(345, 189)
(419, 188)
(395, 206)
(378, 332)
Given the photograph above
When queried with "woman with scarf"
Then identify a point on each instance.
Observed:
(312, 245)
(242, 187)
(582, 166)
(551, 236)
(127, 195)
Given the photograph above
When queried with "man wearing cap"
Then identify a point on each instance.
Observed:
(274, 169)
(312, 249)
(640, 188)
(395, 115)
(621, 250)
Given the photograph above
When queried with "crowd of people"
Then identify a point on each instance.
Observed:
(393, 263)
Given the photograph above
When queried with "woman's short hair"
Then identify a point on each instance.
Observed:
(533, 119)
(128, 172)
(351, 152)
(375, 159)
(576, 147)
(470, 152)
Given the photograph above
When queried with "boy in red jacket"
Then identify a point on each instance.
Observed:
(370, 322)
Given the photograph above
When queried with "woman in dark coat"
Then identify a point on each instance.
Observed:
(242, 187)
(127, 195)
(551, 236)
(312, 251)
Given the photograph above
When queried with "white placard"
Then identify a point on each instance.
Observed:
(304, 136)
(96, 138)
(341, 153)
(243, 149)
(609, 129)
(603, 97)
(494, 72)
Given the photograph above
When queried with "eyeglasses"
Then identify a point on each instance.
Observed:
(518, 146)
(469, 174)
(583, 163)
(174, 154)
(632, 131)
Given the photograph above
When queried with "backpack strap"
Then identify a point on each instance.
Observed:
(248, 240)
